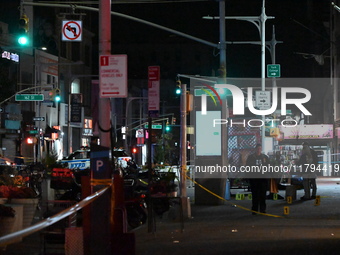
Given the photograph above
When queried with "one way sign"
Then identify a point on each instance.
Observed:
(263, 101)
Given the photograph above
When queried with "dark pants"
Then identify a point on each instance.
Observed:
(258, 189)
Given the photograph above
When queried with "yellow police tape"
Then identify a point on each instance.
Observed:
(95, 182)
(222, 198)
(144, 182)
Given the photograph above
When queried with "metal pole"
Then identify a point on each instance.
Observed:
(222, 79)
(35, 104)
(263, 66)
(103, 216)
(150, 171)
(183, 145)
(104, 49)
(223, 57)
(69, 132)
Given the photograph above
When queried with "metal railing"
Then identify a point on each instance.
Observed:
(8, 239)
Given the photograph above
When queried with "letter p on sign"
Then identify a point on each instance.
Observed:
(99, 164)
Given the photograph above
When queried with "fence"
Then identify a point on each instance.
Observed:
(8, 239)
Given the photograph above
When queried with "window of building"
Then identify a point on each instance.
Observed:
(75, 86)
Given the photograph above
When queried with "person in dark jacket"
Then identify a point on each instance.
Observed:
(307, 163)
(258, 186)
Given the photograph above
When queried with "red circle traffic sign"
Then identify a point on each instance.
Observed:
(72, 28)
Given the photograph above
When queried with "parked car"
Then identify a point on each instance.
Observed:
(80, 159)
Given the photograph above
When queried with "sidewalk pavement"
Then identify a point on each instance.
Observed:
(230, 229)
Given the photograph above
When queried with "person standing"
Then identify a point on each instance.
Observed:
(311, 171)
(308, 175)
(258, 186)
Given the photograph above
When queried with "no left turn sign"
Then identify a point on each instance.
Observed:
(72, 30)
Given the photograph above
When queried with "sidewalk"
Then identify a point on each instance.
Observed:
(228, 229)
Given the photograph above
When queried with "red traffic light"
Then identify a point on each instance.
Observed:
(134, 150)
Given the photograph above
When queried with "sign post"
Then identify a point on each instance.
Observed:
(29, 97)
(153, 90)
(72, 30)
(153, 126)
(273, 71)
(38, 118)
(113, 76)
(263, 99)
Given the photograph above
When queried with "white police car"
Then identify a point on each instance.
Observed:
(80, 159)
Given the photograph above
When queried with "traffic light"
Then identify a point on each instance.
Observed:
(134, 150)
(23, 30)
(173, 121)
(31, 140)
(178, 87)
(167, 127)
(57, 96)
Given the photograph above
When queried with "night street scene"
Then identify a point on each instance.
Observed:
(144, 127)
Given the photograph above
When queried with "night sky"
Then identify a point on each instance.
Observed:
(299, 24)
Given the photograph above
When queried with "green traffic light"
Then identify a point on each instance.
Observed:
(167, 128)
(57, 96)
(23, 40)
(178, 91)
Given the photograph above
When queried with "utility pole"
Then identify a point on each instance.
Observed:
(263, 19)
(104, 49)
(183, 154)
(101, 225)
(222, 80)
(260, 23)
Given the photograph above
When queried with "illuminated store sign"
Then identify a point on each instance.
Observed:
(10, 56)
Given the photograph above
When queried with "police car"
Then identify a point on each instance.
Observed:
(80, 159)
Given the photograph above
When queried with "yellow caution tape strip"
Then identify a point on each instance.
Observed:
(95, 182)
(222, 198)
(144, 182)
(286, 209)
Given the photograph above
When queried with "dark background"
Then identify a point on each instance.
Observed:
(301, 25)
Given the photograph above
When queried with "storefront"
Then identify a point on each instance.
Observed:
(320, 137)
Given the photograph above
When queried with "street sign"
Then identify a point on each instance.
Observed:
(113, 76)
(262, 98)
(153, 126)
(71, 30)
(273, 71)
(33, 132)
(29, 97)
(38, 118)
(153, 90)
